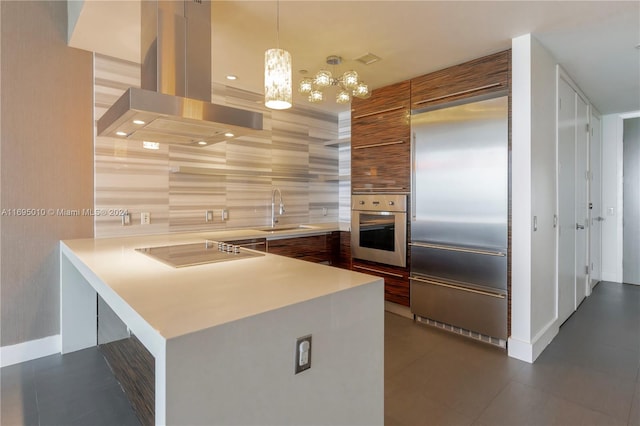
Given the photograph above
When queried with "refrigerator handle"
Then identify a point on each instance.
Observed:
(413, 176)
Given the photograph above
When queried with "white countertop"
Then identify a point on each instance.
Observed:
(178, 301)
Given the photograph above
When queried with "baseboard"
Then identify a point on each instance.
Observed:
(397, 309)
(26, 351)
(529, 351)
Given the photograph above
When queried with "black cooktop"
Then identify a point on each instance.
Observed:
(208, 251)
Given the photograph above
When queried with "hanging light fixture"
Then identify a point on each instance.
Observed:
(348, 84)
(277, 74)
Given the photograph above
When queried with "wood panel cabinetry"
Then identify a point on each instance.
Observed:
(314, 248)
(396, 279)
(381, 140)
(341, 249)
(473, 78)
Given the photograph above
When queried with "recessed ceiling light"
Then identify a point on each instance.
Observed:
(121, 133)
(232, 77)
(150, 145)
(229, 134)
(202, 143)
(138, 122)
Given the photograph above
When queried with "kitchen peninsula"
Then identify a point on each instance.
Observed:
(223, 335)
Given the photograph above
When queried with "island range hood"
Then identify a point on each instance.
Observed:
(174, 103)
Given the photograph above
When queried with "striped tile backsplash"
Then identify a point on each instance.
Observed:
(289, 154)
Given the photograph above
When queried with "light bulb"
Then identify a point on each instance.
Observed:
(306, 86)
(343, 97)
(315, 96)
(323, 78)
(350, 80)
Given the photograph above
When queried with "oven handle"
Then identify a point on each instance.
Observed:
(378, 271)
(459, 249)
(455, 287)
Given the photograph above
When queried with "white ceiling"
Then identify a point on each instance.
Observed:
(595, 41)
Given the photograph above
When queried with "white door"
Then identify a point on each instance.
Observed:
(582, 199)
(595, 194)
(566, 200)
(631, 201)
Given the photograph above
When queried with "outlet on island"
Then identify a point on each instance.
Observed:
(145, 218)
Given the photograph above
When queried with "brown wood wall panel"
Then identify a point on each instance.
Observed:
(442, 86)
(134, 367)
(315, 248)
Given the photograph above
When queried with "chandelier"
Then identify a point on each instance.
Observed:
(277, 73)
(348, 84)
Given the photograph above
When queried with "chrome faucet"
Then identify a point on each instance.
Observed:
(274, 219)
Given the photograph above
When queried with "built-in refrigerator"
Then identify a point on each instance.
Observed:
(459, 209)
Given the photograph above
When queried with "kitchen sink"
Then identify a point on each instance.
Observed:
(285, 228)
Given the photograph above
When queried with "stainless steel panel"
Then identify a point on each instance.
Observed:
(179, 120)
(379, 202)
(480, 267)
(396, 254)
(176, 82)
(460, 181)
(481, 311)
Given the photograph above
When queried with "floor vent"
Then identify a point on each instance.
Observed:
(464, 332)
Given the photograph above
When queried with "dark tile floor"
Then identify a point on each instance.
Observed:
(74, 389)
(589, 375)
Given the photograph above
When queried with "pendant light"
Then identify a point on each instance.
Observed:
(277, 74)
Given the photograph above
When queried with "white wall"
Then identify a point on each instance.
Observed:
(533, 290)
(252, 361)
(612, 126)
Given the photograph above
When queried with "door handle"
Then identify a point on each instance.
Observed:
(599, 218)
(578, 226)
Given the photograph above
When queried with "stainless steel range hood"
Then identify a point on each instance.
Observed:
(174, 103)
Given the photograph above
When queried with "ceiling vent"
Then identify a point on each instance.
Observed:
(368, 59)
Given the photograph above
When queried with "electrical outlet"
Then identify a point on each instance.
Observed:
(303, 353)
(145, 218)
(126, 219)
(324, 211)
(208, 216)
(224, 215)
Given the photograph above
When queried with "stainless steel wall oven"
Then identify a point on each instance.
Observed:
(379, 228)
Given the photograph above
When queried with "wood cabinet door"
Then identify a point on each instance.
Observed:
(385, 167)
(315, 248)
(478, 77)
(382, 128)
(396, 280)
(382, 99)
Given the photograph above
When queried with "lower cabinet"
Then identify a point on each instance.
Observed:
(341, 249)
(314, 248)
(396, 279)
